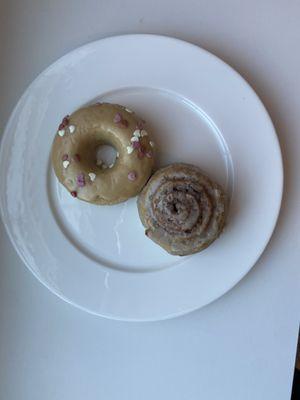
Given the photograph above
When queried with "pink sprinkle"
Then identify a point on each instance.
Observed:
(66, 119)
(149, 154)
(142, 152)
(77, 157)
(136, 145)
(132, 176)
(64, 122)
(80, 180)
(74, 193)
(117, 118)
(65, 157)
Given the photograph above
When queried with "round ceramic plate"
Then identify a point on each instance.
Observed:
(200, 111)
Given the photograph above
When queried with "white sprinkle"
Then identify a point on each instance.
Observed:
(99, 162)
(66, 163)
(134, 139)
(151, 143)
(117, 155)
(92, 176)
(111, 165)
(137, 133)
(129, 149)
(104, 166)
(144, 133)
(72, 128)
(128, 110)
(61, 132)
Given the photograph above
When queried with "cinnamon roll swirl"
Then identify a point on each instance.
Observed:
(182, 209)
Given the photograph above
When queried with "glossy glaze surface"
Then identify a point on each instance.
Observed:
(76, 146)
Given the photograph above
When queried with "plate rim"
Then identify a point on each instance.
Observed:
(280, 178)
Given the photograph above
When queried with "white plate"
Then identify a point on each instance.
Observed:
(200, 111)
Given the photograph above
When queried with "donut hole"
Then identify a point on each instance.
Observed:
(106, 156)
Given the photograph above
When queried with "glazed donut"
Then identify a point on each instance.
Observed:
(182, 209)
(75, 146)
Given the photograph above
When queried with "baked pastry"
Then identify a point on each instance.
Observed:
(182, 209)
(75, 146)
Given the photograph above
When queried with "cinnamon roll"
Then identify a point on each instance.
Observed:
(182, 210)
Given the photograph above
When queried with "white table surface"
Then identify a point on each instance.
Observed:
(241, 346)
